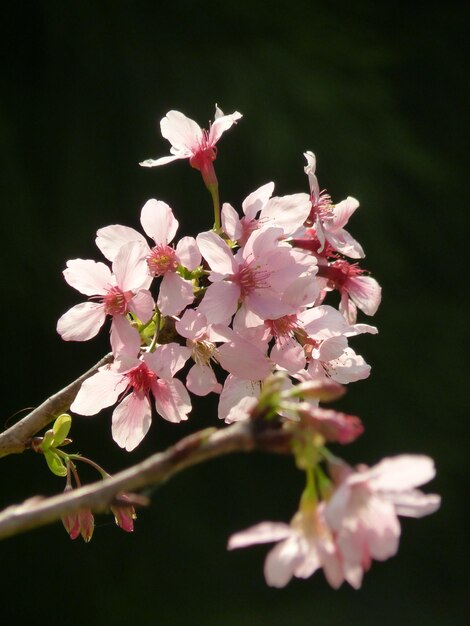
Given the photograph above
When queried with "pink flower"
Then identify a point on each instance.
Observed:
(286, 212)
(364, 508)
(163, 260)
(118, 293)
(237, 355)
(189, 141)
(332, 425)
(130, 381)
(267, 276)
(356, 290)
(328, 218)
(124, 513)
(304, 546)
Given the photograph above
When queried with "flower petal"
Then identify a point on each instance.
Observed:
(265, 532)
(158, 221)
(82, 322)
(131, 421)
(88, 277)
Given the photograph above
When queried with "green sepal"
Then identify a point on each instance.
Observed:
(47, 440)
(55, 463)
(147, 331)
(61, 428)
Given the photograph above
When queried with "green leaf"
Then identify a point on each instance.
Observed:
(61, 428)
(55, 463)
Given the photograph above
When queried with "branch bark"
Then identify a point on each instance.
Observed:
(158, 468)
(16, 439)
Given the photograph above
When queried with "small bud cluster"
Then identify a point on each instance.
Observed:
(63, 464)
(262, 306)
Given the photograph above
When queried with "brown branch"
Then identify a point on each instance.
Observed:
(16, 438)
(197, 448)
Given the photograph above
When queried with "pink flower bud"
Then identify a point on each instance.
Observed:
(124, 514)
(332, 425)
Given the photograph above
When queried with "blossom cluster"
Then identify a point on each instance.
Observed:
(271, 291)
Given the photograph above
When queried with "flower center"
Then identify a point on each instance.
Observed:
(340, 272)
(321, 208)
(141, 378)
(250, 277)
(115, 301)
(282, 327)
(162, 259)
(202, 351)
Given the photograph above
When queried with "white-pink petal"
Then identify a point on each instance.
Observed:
(82, 322)
(283, 560)
(182, 132)
(287, 212)
(220, 125)
(188, 253)
(131, 420)
(220, 302)
(158, 221)
(414, 503)
(142, 305)
(130, 267)
(175, 294)
(231, 224)
(265, 532)
(167, 359)
(162, 160)
(98, 392)
(217, 253)
(88, 277)
(125, 339)
(366, 293)
(171, 400)
(402, 472)
(237, 399)
(201, 380)
(110, 239)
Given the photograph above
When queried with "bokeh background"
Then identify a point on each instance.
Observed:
(378, 91)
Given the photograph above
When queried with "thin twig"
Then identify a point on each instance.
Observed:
(16, 439)
(197, 448)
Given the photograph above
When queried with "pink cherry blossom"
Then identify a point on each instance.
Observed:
(364, 508)
(286, 212)
(163, 260)
(236, 355)
(332, 425)
(356, 290)
(305, 545)
(119, 292)
(130, 381)
(266, 276)
(189, 141)
(328, 218)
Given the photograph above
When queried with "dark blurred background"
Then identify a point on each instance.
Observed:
(378, 92)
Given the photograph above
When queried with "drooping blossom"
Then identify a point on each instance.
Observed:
(304, 546)
(363, 511)
(122, 291)
(329, 219)
(334, 426)
(163, 260)
(356, 290)
(189, 141)
(130, 381)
